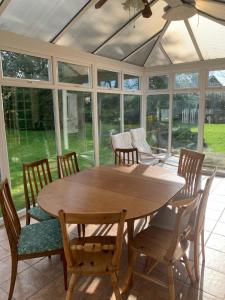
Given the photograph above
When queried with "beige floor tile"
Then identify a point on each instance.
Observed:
(5, 268)
(213, 214)
(220, 228)
(3, 253)
(189, 293)
(215, 260)
(216, 242)
(210, 224)
(3, 295)
(28, 283)
(211, 282)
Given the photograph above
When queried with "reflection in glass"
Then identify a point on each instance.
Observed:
(30, 132)
(216, 78)
(157, 120)
(131, 82)
(75, 111)
(71, 73)
(24, 66)
(159, 82)
(132, 111)
(186, 80)
(109, 123)
(108, 79)
(185, 121)
(214, 130)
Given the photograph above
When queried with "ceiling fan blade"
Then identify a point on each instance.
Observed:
(213, 8)
(146, 12)
(174, 3)
(100, 3)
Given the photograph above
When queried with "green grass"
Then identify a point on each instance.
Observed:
(25, 146)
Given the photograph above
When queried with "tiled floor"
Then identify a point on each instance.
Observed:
(42, 278)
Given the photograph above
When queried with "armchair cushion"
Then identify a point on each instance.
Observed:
(138, 136)
(40, 237)
(122, 140)
(39, 214)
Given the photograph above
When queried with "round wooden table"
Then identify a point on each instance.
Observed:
(140, 189)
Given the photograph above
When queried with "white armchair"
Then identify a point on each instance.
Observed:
(146, 154)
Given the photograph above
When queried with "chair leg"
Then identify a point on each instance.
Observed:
(64, 271)
(27, 219)
(83, 229)
(13, 277)
(188, 268)
(69, 294)
(203, 244)
(79, 230)
(196, 258)
(171, 283)
(115, 286)
(129, 273)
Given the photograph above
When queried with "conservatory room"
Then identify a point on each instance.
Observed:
(112, 149)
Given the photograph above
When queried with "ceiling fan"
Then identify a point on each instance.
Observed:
(179, 9)
(143, 5)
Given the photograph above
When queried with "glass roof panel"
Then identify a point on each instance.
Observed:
(213, 8)
(210, 36)
(135, 34)
(139, 58)
(157, 58)
(96, 25)
(39, 19)
(178, 44)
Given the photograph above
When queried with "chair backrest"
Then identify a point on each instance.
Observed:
(139, 141)
(183, 226)
(10, 217)
(126, 156)
(190, 166)
(200, 215)
(36, 175)
(121, 140)
(67, 164)
(66, 219)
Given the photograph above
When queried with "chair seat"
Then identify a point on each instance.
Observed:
(39, 214)
(40, 237)
(155, 242)
(93, 262)
(165, 218)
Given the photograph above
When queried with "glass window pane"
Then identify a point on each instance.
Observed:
(157, 120)
(135, 34)
(30, 132)
(71, 73)
(131, 82)
(75, 111)
(209, 35)
(216, 78)
(186, 80)
(214, 130)
(109, 123)
(36, 19)
(159, 82)
(96, 25)
(185, 121)
(132, 111)
(178, 44)
(108, 79)
(157, 58)
(24, 66)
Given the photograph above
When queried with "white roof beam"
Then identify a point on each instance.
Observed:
(4, 5)
(193, 39)
(73, 20)
(165, 53)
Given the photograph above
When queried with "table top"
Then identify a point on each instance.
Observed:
(140, 189)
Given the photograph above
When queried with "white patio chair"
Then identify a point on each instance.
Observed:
(121, 140)
(145, 151)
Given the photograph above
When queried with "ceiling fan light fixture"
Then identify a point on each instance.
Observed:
(179, 13)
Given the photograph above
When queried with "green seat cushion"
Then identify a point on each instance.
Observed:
(40, 237)
(39, 214)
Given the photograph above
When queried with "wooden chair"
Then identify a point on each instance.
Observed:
(67, 164)
(93, 255)
(36, 175)
(197, 232)
(31, 241)
(126, 156)
(162, 246)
